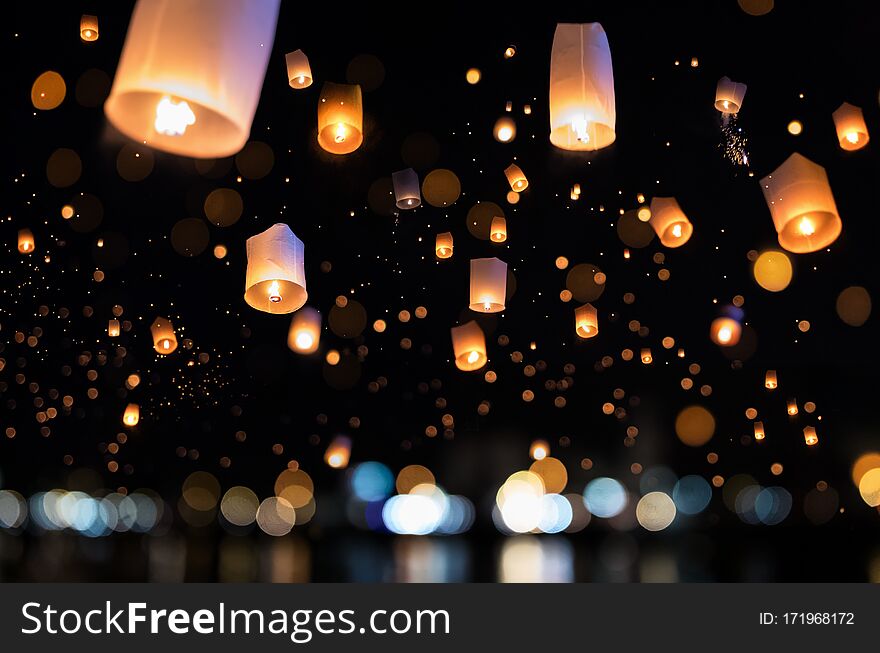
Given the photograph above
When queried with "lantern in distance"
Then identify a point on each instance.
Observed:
(406, 189)
(539, 450)
(582, 111)
(504, 130)
(498, 229)
(88, 28)
(586, 321)
(469, 346)
(725, 331)
(852, 132)
(113, 328)
(810, 436)
(759, 430)
(164, 339)
(443, 245)
(305, 331)
(338, 452)
(770, 381)
(488, 285)
(132, 415)
(299, 72)
(190, 74)
(792, 407)
(340, 118)
(802, 205)
(646, 356)
(275, 281)
(669, 222)
(516, 178)
(26, 244)
(729, 95)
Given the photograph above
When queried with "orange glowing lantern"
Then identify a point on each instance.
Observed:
(810, 436)
(305, 331)
(646, 356)
(802, 205)
(113, 328)
(164, 339)
(275, 281)
(469, 346)
(406, 189)
(190, 76)
(504, 130)
(586, 321)
(792, 407)
(729, 95)
(725, 331)
(539, 450)
(759, 430)
(770, 381)
(582, 111)
(488, 285)
(299, 72)
(498, 229)
(852, 132)
(88, 28)
(338, 452)
(443, 245)
(340, 118)
(516, 178)
(26, 244)
(132, 415)
(669, 222)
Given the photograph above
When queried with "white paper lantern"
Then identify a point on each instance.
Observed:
(275, 281)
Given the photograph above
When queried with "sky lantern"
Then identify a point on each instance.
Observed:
(406, 189)
(669, 222)
(504, 130)
(645, 355)
(802, 205)
(275, 281)
(729, 95)
(340, 118)
(498, 229)
(113, 328)
(338, 452)
(516, 178)
(759, 430)
(190, 74)
(132, 415)
(539, 450)
(469, 346)
(26, 244)
(725, 331)
(88, 28)
(770, 381)
(582, 112)
(164, 339)
(488, 285)
(791, 407)
(586, 321)
(305, 331)
(443, 245)
(810, 436)
(299, 72)
(852, 132)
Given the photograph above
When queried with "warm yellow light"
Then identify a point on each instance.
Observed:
(795, 127)
(509, 52)
(725, 334)
(770, 381)
(340, 134)
(644, 214)
(172, 118)
(646, 356)
(473, 76)
(332, 357)
(473, 357)
(792, 407)
(759, 430)
(505, 133)
(166, 344)
(810, 435)
(806, 226)
(274, 292)
(304, 340)
(676, 230)
(539, 450)
(580, 126)
(852, 137)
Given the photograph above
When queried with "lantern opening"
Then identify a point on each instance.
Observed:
(172, 118)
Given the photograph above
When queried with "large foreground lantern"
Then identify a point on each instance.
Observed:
(443, 245)
(191, 72)
(299, 72)
(406, 189)
(586, 321)
(469, 346)
(340, 118)
(305, 331)
(802, 205)
(488, 285)
(276, 280)
(729, 95)
(582, 113)
(852, 132)
(164, 339)
(670, 223)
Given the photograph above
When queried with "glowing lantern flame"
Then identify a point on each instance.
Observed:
(172, 118)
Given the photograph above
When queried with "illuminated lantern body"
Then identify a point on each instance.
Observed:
(725, 331)
(586, 321)
(516, 178)
(802, 205)
(305, 331)
(488, 285)
(469, 346)
(113, 328)
(164, 339)
(729, 95)
(299, 72)
(88, 28)
(539, 450)
(770, 381)
(191, 72)
(406, 189)
(26, 244)
(759, 430)
(340, 118)
(498, 230)
(443, 245)
(792, 407)
(582, 113)
(276, 280)
(132, 415)
(810, 435)
(669, 222)
(852, 132)
(504, 130)
(646, 356)
(338, 452)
